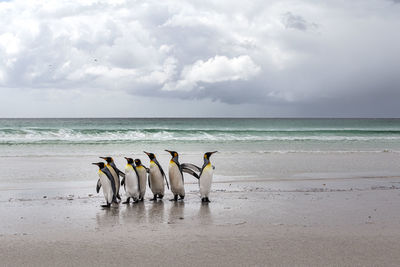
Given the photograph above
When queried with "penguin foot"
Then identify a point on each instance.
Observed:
(181, 197)
(205, 200)
(127, 201)
(160, 196)
(175, 198)
(106, 205)
(154, 198)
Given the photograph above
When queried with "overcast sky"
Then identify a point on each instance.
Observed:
(200, 58)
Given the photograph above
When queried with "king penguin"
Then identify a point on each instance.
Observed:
(142, 174)
(156, 177)
(131, 182)
(115, 173)
(107, 181)
(175, 173)
(206, 175)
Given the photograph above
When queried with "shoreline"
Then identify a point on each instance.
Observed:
(309, 183)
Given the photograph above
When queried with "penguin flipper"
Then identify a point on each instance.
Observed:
(191, 172)
(110, 177)
(134, 168)
(147, 169)
(213, 167)
(118, 171)
(149, 181)
(165, 177)
(191, 166)
(162, 172)
(123, 182)
(138, 184)
(98, 186)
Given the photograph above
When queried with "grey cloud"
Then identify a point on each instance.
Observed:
(292, 21)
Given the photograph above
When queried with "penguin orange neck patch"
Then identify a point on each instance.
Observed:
(129, 166)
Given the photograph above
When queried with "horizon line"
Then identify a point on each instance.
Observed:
(222, 117)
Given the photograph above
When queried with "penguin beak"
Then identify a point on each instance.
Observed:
(208, 154)
(169, 151)
(147, 153)
(126, 158)
(96, 164)
(103, 158)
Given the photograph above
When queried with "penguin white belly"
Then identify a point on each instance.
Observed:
(142, 180)
(116, 178)
(206, 180)
(175, 179)
(131, 183)
(106, 185)
(156, 179)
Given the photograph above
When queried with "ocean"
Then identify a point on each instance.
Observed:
(269, 135)
(59, 152)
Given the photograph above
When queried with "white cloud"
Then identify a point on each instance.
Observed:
(214, 70)
(221, 68)
(10, 43)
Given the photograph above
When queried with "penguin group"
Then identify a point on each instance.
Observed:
(136, 175)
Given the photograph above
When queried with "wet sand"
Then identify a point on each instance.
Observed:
(340, 222)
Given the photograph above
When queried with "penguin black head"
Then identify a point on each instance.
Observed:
(173, 153)
(129, 160)
(151, 155)
(100, 164)
(207, 155)
(138, 162)
(108, 159)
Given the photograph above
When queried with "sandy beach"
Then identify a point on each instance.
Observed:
(250, 223)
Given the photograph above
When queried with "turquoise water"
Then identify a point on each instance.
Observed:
(265, 135)
(62, 150)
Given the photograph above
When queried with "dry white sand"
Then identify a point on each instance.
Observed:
(246, 225)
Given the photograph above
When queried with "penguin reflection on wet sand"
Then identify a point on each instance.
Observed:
(131, 182)
(156, 177)
(106, 180)
(206, 175)
(175, 174)
(115, 173)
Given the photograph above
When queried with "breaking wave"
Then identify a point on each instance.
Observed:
(36, 135)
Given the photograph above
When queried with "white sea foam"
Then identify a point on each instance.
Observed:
(76, 136)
